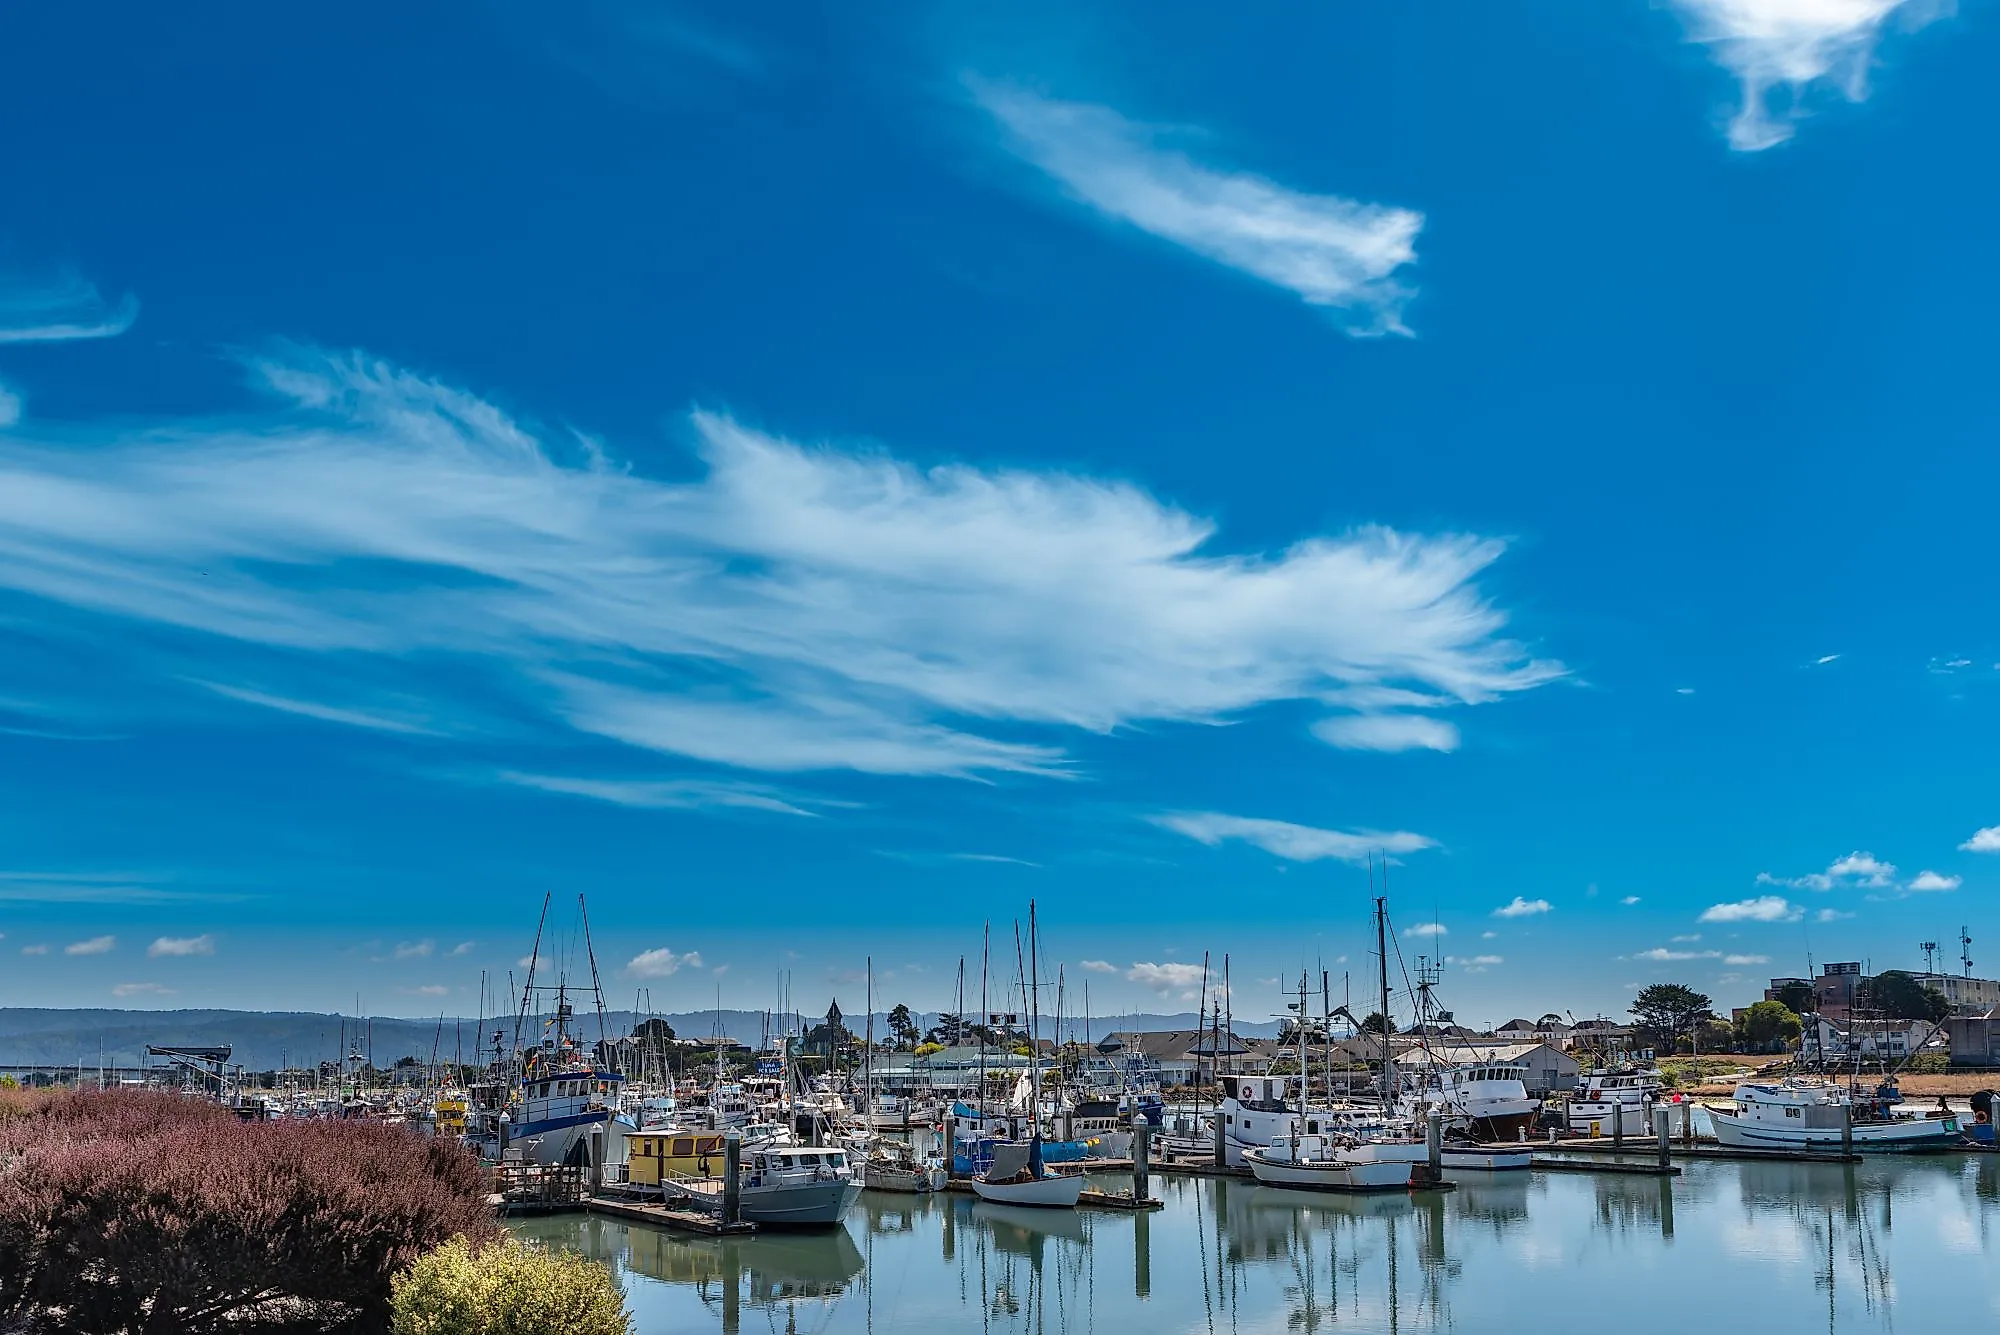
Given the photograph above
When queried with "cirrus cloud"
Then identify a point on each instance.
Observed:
(792, 608)
(96, 945)
(1339, 254)
(1294, 843)
(181, 946)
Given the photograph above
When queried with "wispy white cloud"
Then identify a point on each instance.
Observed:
(1931, 881)
(181, 946)
(60, 308)
(1764, 908)
(998, 859)
(1522, 908)
(96, 945)
(1629, 900)
(1746, 959)
(10, 407)
(34, 950)
(662, 794)
(1830, 915)
(141, 990)
(1294, 843)
(1824, 659)
(1387, 732)
(1685, 937)
(1982, 841)
(1781, 50)
(1337, 253)
(1099, 966)
(462, 948)
(428, 990)
(1662, 955)
(1427, 929)
(353, 718)
(414, 950)
(1479, 963)
(791, 609)
(114, 887)
(661, 962)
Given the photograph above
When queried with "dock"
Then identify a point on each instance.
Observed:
(1091, 1199)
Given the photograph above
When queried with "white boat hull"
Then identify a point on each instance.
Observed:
(1739, 1132)
(1328, 1174)
(1058, 1191)
(1597, 1119)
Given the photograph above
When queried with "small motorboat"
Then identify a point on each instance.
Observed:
(1321, 1163)
(1018, 1176)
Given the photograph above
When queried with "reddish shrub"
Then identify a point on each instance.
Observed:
(140, 1212)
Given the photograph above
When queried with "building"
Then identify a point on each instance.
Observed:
(1551, 1028)
(1840, 1040)
(1972, 997)
(1548, 1067)
(1835, 989)
(1173, 1056)
(1603, 1040)
(1975, 1040)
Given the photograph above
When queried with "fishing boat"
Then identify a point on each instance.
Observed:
(1615, 1102)
(797, 1186)
(560, 1096)
(1802, 1116)
(897, 1167)
(1485, 1100)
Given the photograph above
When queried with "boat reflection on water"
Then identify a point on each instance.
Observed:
(1781, 1245)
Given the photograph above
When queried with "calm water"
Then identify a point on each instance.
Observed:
(1761, 1247)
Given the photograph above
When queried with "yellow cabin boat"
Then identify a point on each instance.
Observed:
(655, 1156)
(449, 1115)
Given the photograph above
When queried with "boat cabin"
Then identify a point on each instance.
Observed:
(656, 1156)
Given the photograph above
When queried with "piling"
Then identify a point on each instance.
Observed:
(1687, 1122)
(1846, 1129)
(1434, 1141)
(596, 1159)
(1617, 1128)
(1663, 1132)
(1142, 1154)
(732, 1177)
(1221, 1157)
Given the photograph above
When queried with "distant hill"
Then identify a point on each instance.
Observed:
(265, 1040)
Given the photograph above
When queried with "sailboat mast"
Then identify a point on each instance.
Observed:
(1382, 962)
(1034, 1030)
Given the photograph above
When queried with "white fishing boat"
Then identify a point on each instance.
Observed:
(1466, 1158)
(1804, 1116)
(1610, 1103)
(1320, 1163)
(1487, 1101)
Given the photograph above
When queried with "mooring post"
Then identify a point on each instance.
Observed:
(732, 1177)
(1142, 1151)
(1847, 1130)
(1434, 1141)
(1663, 1131)
(1617, 1128)
(596, 1159)
(1687, 1123)
(1221, 1158)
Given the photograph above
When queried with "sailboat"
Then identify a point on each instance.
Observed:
(1018, 1174)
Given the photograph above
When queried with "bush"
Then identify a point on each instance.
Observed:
(1930, 1063)
(143, 1212)
(507, 1288)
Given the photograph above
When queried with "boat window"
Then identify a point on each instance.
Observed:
(684, 1146)
(837, 1160)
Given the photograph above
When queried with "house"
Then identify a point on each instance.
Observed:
(1551, 1028)
(1605, 1039)
(1173, 1056)
(1975, 1040)
(1840, 1040)
(1974, 998)
(1548, 1067)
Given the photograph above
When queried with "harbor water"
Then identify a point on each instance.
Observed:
(1878, 1245)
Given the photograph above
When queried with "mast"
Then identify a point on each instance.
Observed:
(985, 1014)
(1201, 1025)
(1382, 974)
(528, 990)
(1034, 1033)
(868, 1061)
(596, 988)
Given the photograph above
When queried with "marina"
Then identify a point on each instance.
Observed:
(1879, 1244)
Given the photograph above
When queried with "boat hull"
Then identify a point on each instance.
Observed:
(1058, 1191)
(805, 1205)
(906, 1181)
(1486, 1161)
(1328, 1175)
(1902, 1137)
(1596, 1119)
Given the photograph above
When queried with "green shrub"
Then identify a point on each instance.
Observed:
(1930, 1063)
(506, 1288)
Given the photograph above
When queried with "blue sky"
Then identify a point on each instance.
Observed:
(813, 484)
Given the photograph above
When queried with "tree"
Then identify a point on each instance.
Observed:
(1767, 1023)
(949, 1030)
(903, 1027)
(1901, 997)
(1375, 1022)
(1797, 997)
(1669, 1010)
(654, 1030)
